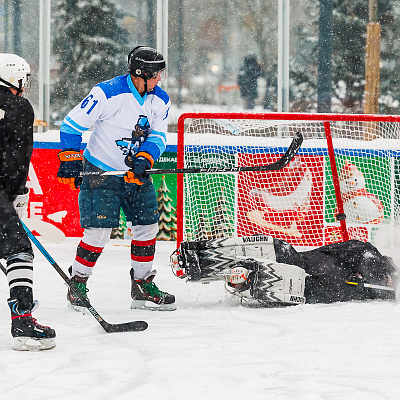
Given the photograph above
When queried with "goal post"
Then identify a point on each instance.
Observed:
(343, 183)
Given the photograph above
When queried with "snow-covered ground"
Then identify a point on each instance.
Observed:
(210, 348)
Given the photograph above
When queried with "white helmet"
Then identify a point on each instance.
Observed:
(14, 71)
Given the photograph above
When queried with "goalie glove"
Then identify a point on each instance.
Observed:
(20, 203)
(71, 167)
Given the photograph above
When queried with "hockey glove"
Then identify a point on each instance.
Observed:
(70, 169)
(21, 203)
(142, 162)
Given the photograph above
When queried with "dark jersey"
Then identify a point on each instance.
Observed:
(247, 79)
(16, 143)
(329, 267)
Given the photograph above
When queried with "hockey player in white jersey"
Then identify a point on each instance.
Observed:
(129, 116)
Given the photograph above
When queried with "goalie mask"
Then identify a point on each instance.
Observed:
(14, 72)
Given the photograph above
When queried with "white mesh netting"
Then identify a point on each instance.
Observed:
(297, 203)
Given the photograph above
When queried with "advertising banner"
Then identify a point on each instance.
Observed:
(286, 204)
(53, 207)
(297, 203)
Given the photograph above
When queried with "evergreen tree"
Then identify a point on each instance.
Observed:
(390, 59)
(303, 64)
(350, 19)
(222, 225)
(167, 222)
(203, 229)
(90, 46)
(119, 233)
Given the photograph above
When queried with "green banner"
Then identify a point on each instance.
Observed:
(210, 198)
(366, 198)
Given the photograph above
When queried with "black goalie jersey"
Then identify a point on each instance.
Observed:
(331, 267)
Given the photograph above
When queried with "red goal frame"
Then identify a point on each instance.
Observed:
(324, 118)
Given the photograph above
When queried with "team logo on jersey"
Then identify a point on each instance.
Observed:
(142, 127)
(130, 146)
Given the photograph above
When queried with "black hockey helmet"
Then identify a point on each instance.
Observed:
(145, 62)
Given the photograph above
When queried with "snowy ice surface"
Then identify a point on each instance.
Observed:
(210, 348)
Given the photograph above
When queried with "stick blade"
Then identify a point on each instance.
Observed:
(134, 326)
(292, 150)
(288, 156)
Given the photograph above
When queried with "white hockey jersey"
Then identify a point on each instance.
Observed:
(123, 123)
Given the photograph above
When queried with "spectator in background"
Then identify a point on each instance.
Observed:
(248, 75)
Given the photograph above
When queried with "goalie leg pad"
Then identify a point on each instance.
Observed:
(205, 260)
(276, 284)
(262, 281)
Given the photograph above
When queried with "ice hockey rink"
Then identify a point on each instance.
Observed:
(211, 347)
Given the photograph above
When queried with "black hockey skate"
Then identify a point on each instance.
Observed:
(27, 333)
(146, 295)
(80, 283)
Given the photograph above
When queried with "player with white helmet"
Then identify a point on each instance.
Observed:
(14, 72)
(16, 143)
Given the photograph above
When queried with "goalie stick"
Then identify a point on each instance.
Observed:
(124, 327)
(371, 286)
(281, 163)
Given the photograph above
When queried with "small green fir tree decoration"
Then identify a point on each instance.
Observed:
(167, 222)
(119, 233)
(222, 224)
(203, 229)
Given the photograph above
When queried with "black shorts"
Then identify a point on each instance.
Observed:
(13, 238)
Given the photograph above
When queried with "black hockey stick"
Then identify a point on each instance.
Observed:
(371, 286)
(125, 327)
(281, 163)
(3, 269)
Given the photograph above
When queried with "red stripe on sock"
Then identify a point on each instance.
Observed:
(21, 316)
(84, 262)
(90, 248)
(142, 258)
(144, 243)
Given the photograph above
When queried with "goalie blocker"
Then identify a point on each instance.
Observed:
(266, 271)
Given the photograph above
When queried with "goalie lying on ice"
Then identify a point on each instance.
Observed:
(265, 271)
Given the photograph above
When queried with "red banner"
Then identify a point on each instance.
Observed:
(51, 204)
(286, 204)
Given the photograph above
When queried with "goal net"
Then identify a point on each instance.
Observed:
(343, 183)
